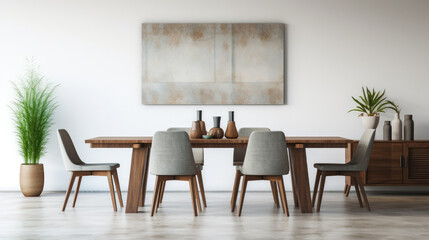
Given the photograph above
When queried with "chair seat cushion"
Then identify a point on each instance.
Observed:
(337, 167)
(96, 167)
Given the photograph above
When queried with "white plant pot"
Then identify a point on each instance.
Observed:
(370, 122)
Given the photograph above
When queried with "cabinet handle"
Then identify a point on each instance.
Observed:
(401, 161)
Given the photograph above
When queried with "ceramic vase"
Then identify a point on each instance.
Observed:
(408, 128)
(196, 130)
(31, 179)
(370, 122)
(202, 123)
(396, 127)
(387, 131)
(216, 131)
(231, 129)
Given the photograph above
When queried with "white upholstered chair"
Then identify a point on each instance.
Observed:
(78, 169)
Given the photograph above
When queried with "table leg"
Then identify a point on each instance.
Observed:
(295, 195)
(348, 179)
(135, 183)
(145, 173)
(300, 173)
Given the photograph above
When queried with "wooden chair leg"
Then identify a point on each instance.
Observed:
(273, 185)
(316, 185)
(322, 186)
(118, 187)
(202, 191)
(283, 196)
(197, 195)
(235, 189)
(112, 190)
(76, 191)
(243, 192)
(155, 195)
(358, 192)
(359, 181)
(162, 191)
(192, 189)
(348, 190)
(72, 177)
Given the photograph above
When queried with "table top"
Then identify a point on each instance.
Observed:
(316, 142)
(223, 140)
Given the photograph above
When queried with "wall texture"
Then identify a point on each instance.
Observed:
(93, 50)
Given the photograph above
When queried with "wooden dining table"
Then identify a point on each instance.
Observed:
(297, 153)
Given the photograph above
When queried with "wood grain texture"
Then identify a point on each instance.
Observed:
(136, 179)
(141, 146)
(396, 163)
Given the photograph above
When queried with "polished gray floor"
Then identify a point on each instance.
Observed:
(393, 216)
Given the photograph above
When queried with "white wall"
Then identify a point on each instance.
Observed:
(92, 49)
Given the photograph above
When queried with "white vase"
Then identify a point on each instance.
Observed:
(396, 128)
(370, 122)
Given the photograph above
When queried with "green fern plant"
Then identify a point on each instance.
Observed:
(33, 110)
(370, 103)
(394, 106)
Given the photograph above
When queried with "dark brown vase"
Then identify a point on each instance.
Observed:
(196, 130)
(231, 131)
(202, 123)
(203, 127)
(216, 133)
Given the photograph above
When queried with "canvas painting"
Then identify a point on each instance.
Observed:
(213, 63)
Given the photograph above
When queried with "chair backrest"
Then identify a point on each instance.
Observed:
(198, 152)
(171, 154)
(68, 151)
(363, 151)
(239, 153)
(266, 154)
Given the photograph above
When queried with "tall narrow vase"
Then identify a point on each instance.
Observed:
(387, 131)
(231, 129)
(396, 128)
(202, 123)
(408, 128)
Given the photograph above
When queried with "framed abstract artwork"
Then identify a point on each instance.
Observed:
(213, 63)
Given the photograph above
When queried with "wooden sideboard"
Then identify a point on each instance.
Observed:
(397, 163)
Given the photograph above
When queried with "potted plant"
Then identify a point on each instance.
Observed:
(32, 109)
(370, 105)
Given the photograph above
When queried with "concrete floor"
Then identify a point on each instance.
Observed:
(393, 216)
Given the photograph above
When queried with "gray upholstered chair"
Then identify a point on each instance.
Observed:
(171, 158)
(78, 168)
(238, 160)
(266, 159)
(199, 162)
(358, 164)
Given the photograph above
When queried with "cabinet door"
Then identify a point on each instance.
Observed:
(416, 169)
(385, 164)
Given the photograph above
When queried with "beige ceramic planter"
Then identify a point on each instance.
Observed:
(31, 179)
(370, 122)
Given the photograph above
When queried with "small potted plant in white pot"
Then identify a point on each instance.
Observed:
(32, 110)
(370, 105)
